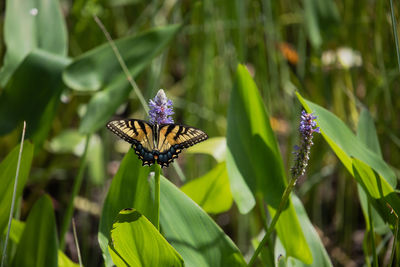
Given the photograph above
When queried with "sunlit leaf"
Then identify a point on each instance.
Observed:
(345, 144)
(129, 189)
(380, 193)
(38, 245)
(136, 242)
(366, 132)
(215, 146)
(319, 254)
(27, 28)
(211, 191)
(253, 149)
(197, 238)
(8, 169)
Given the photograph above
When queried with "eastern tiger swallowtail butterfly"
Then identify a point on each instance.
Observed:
(154, 142)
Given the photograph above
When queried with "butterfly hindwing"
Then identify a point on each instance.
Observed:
(172, 138)
(139, 133)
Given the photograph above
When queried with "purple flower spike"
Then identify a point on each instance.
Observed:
(160, 109)
(307, 128)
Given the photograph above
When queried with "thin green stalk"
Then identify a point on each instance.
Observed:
(396, 39)
(77, 186)
(157, 194)
(13, 196)
(122, 63)
(271, 227)
(78, 251)
(396, 231)
(372, 236)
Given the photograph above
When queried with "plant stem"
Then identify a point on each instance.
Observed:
(157, 194)
(372, 235)
(78, 251)
(13, 196)
(396, 231)
(77, 186)
(271, 227)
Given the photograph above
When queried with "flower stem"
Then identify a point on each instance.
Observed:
(77, 185)
(157, 194)
(271, 227)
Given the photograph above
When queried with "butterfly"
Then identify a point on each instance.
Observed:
(159, 143)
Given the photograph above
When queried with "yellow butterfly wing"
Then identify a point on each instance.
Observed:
(139, 133)
(172, 138)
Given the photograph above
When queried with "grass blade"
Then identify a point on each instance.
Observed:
(13, 197)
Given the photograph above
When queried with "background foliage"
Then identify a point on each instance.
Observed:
(60, 74)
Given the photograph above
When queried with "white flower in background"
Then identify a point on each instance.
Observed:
(34, 11)
(348, 57)
(343, 58)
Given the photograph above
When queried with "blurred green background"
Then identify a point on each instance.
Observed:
(338, 54)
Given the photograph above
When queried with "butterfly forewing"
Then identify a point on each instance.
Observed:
(137, 132)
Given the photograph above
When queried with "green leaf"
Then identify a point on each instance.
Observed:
(64, 261)
(319, 254)
(380, 192)
(38, 245)
(345, 144)
(197, 238)
(241, 193)
(17, 228)
(25, 31)
(211, 191)
(253, 149)
(136, 242)
(33, 94)
(129, 189)
(89, 72)
(8, 169)
(366, 132)
(215, 146)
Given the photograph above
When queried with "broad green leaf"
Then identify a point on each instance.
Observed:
(197, 238)
(30, 25)
(345, 144)
(17, 228)
(366, 132)
(241, 193)
(253, 149)
(38, 245)
(129, 189)
(136, 242)
(379, 191)
(215, 146)
(8, 168)
(89, 72)
(211, 191)
(33, 94)
(319, 254)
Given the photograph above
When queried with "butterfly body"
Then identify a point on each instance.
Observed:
(159, 143)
